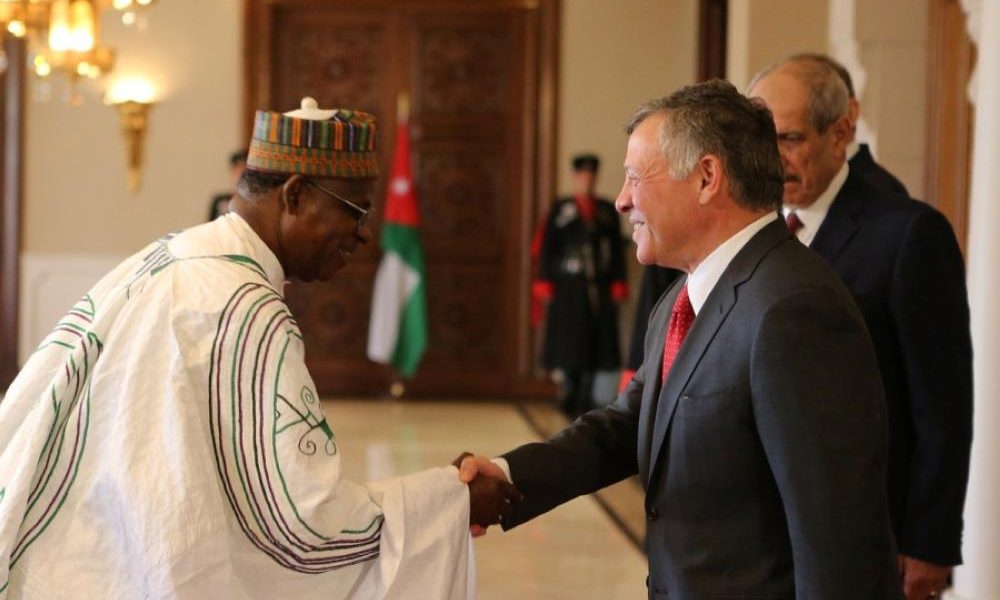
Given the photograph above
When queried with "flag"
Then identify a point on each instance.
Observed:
(397, 333)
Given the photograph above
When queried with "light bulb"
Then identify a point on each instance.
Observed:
(17, 28)
(82, 28)
(59, 37)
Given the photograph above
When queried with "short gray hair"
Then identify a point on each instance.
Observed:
(828, 95)
(714, 118)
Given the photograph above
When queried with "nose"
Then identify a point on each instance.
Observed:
(784, 158)
(623, 203)
(363, 233)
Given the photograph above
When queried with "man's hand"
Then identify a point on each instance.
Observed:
(922, 580)
(469, 466)
(489, 500)
(479, 471)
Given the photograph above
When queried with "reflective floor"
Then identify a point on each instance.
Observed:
(576, 551)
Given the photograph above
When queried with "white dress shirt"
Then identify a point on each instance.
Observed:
(702, 280)
(812, 216)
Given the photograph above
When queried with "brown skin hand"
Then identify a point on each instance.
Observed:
(489, 498)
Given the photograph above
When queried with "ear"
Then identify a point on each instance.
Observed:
(853, 112)
(841, 131)
(710, 178)
(291, 190)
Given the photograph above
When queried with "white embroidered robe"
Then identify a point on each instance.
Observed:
(166, 441)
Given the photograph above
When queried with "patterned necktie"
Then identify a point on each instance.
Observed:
(794, 222)
(681, 319)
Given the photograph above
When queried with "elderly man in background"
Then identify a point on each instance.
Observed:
(859, 155)
(167, 441)
(902, 262)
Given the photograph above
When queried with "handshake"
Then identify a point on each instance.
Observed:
(491, 496)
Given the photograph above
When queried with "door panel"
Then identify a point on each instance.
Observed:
(471, 69)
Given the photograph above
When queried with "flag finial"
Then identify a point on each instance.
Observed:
(403, 107)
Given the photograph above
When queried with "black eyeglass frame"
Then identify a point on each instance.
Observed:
(362, 214)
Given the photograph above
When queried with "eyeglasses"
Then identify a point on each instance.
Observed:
(361, 214)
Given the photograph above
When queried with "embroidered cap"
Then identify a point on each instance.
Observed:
(312, 141)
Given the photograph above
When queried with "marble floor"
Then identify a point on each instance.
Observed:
(582, 550)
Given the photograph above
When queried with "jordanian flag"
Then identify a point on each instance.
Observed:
(398, 330)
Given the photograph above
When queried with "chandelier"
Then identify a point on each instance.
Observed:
(64, 35)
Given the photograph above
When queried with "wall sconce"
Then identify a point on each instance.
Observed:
(133, 98)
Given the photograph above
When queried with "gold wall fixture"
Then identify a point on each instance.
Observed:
(133, 99)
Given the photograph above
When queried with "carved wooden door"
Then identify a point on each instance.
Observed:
(471, 69)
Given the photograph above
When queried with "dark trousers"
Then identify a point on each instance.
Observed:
(577, 394)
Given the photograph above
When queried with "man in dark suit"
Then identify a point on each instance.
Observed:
(901, 261)
(757, 422)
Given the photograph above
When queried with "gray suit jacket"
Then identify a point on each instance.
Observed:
(763, 455)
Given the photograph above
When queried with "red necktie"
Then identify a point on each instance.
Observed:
(794, 222)
(681, 319)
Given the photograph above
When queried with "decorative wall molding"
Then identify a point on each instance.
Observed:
(846, 49)
(50, 284)
(973, 24)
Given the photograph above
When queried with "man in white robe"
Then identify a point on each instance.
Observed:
(167, 441)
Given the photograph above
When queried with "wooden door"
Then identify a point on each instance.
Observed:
(950, 59)
(472, 70)
(12, 92)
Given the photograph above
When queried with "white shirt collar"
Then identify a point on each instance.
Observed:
(702, 280)
(812, 216)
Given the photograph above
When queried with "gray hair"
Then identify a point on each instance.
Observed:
(840, 69)
(714, 118)
(828, 94)
(257, 183)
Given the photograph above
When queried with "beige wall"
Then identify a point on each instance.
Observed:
(884, 46)
(893, 52)
(76, 198)
(763, 31)
(616, 55)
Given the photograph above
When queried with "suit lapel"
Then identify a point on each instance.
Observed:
(651, 367)
(706, 325)
(710, 318)
(841, 222)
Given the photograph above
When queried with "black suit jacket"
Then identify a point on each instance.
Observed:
(762, 455)
(875, 174)
(900, 259)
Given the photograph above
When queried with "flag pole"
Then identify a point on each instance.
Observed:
(397, 388)
(397, 332)
(403, 107)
